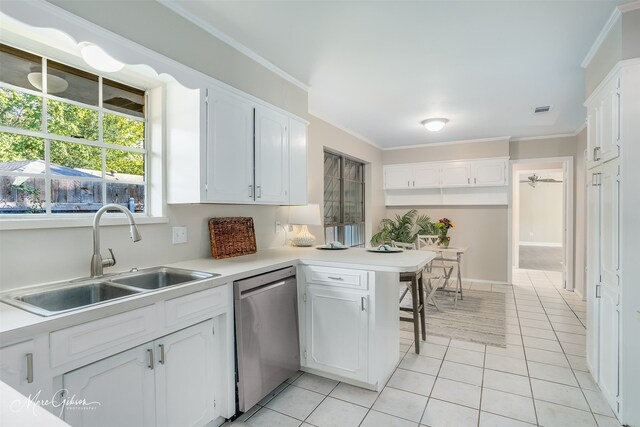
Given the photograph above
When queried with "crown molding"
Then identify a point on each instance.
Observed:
(535, 138)
(346, 130)
(615, 15)
(206, 26)
(439, 144)
(627, 7)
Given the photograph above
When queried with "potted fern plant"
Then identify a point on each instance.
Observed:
(404, 228)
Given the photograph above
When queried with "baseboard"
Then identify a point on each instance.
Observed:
(488, 282)
(543, 244)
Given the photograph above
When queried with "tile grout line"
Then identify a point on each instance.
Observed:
(565, 355)
(524, 352)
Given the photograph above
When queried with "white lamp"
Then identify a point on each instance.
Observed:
(434, 125)
(304, 216)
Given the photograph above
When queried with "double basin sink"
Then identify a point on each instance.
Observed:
(66, 296)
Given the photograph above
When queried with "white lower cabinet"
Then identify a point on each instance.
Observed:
(349, 324)
(337, 330)
(17, 367)
(166, 382)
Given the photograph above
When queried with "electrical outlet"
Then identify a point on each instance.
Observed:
(179, 234)
(278, 226)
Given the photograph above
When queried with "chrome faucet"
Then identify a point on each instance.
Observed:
(97, 263)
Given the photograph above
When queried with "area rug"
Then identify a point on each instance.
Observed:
(480, 317)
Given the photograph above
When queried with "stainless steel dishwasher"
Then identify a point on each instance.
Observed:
(267, 340)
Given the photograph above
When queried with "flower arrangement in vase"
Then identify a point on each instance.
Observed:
(442, 226)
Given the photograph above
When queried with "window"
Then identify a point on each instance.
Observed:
(343, 200)
(70, 141)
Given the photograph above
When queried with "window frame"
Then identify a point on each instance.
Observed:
(52, 219)
(339, 232)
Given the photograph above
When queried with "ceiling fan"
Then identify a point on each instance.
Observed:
(534, 179)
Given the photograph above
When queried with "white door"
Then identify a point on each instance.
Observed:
(337, 338)
(489, 173)
(272, 157)
(426, 176)
(120, 391)
(397, 177)
(609, 129)
(456, 174)
(609, 282)
(185, 378)
(593, 274)
(229, 148)
(16, 367)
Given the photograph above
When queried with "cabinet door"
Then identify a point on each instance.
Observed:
(490, 173)
(609, 128)
(122, 386)
(396, 177)
(337, 332)
(593, 138)
(272, 157)
(229, 148)
(185, 376)
(426, 176)
(456, 174)
(16, 367)
(593, 273)
(609, 332)
(297, 163)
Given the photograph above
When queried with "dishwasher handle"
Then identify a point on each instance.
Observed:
(259, 289)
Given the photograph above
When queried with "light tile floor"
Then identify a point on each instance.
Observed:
(541, 377)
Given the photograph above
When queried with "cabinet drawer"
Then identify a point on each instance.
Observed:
(82, 340)
(337, 277)
(194, 306)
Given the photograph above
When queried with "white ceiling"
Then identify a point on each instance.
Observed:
(377, 68)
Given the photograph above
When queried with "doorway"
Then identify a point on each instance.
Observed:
(541, 217)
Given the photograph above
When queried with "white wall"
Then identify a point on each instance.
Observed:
(541, 210)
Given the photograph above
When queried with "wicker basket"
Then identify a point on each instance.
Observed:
(232, 236)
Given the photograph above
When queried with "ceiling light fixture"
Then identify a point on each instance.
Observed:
(434, 125)
(99, 59)
(55, 84)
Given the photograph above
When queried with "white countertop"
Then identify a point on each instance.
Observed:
(16, 323)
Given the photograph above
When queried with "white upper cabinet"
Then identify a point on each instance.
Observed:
(230, 149)
(426, 176)
(397, 177)
(271, 157)
(224, 146)
(489, 173)
(603, 127)
(456, 174)
(297, 163)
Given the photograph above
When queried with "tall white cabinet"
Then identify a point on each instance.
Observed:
(613, 314)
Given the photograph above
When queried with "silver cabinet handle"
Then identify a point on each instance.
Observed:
(258, 191)
(29, 368)
(335, 278)
(468, 180)
(161, 359)
(362, 301)
(414, 183)
(475, 180)
(408, 184)
(150, 354)
(596, 155)
(251, 191)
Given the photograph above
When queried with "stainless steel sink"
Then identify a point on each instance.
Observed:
(161, 277)
(66, 296)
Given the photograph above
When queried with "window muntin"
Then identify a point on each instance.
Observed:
(344, 200)
(68, 151)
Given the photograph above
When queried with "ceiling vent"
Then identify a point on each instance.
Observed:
(543, 109)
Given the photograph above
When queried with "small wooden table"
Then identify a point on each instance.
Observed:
(446, 254)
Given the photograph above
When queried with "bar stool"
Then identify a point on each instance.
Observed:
(415, 284)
